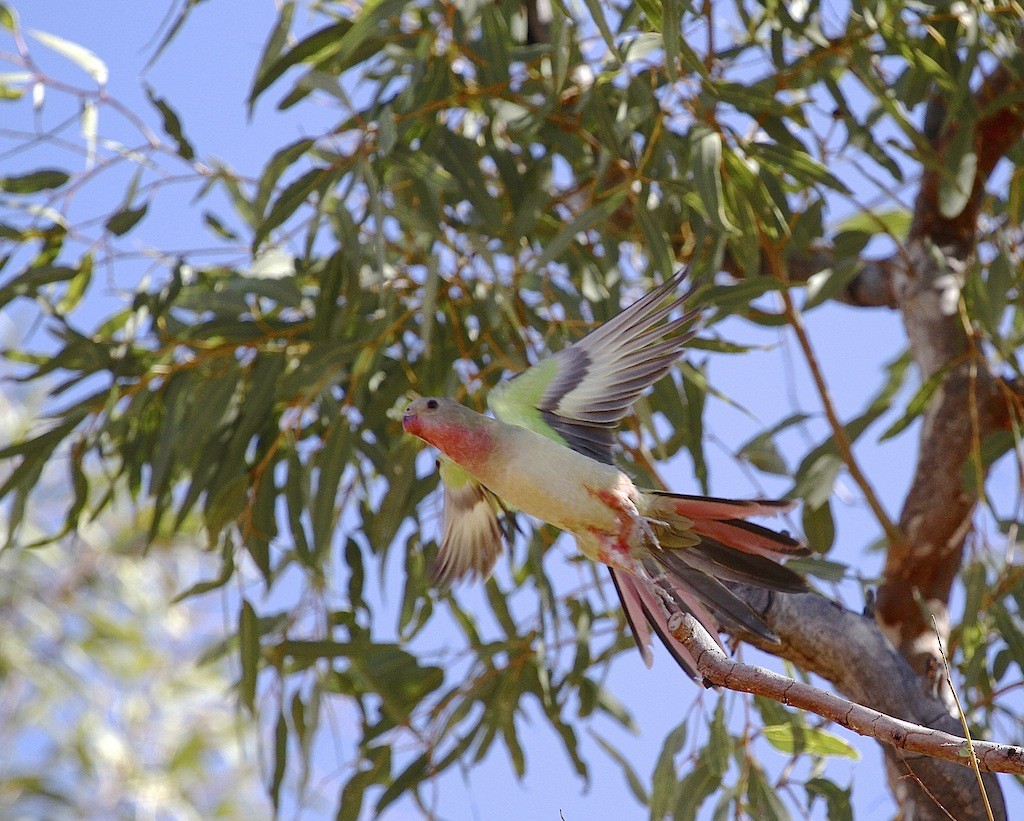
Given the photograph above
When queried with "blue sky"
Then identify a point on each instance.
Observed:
(205, 75)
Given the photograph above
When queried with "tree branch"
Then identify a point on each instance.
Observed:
(721, 671)
(871, 286)
(843, 445)
(887, 701)
(936, 517)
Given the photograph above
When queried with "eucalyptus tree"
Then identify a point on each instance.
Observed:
(500, 177)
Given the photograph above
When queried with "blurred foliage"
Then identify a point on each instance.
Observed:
(481, 199)
(106, 712)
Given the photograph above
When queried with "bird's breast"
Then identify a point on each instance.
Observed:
(557, 485)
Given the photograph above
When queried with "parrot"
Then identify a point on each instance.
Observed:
(548, 452)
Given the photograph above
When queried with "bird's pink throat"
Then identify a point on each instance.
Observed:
(467, 446)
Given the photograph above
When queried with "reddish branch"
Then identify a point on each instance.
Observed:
(936, 517)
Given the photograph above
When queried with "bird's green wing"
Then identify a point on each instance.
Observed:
(578, 396)
(472, 538)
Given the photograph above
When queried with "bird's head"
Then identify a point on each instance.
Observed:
(455, 430)
(422, 415)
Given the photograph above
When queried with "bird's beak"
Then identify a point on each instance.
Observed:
(411, 422)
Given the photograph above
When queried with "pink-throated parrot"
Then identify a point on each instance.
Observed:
(549, 454)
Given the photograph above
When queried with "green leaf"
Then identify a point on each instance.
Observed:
(379, 772)
(695, 388)
(280, 760)
(993, 447)
(494, 44)
(262, 524)
(961, 168)
(292, 198)
(461, 158)
(29, 283)
(369, 17)
(997, 288)
(226, 572)
(819, 526)
(764, 798)
(407, 779)
(793, 159)
(695, 787)
(707, 174)
(597, 15)
(42, 180)
(225, 507)
(895, 223)
(276, 42)
(172, 125)
(124, 220)
(671, 32)
(816, 477)
(496, 597)
(665, 786)
(77, 286)
(632, 779)
(917, 404)
(1010, 633)
(396, 676)
(809, 740)
(272, 171)
(762, 453)
(218, 227)
(831, 282)
(249, 654)
(7, 18)
(591, 217)
(836, 799)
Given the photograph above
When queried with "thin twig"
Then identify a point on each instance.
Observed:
(963, 723)
(796, 320)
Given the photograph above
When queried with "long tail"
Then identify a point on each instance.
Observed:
(703, 542)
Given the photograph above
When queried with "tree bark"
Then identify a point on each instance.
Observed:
(923, 282)
(849, 650)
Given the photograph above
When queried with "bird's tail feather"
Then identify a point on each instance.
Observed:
(723, 521)
(712, 507)
(646, 612)
(703, 542)
(681, 578)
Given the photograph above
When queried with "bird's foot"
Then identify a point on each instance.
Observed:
(645, 526)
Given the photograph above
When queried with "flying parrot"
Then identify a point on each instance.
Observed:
(549, 453)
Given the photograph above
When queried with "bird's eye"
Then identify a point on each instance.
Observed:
(431, 404)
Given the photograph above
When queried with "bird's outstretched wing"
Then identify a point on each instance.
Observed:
(578, 395)
(472, 538)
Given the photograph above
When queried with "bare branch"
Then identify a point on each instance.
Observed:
(923, 743)
(849, 650)
(871, 286)
(721, 671)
